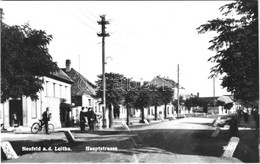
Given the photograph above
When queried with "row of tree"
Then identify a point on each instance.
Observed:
(121, 90)
(133, 95)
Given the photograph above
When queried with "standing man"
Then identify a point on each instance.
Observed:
(91, 119)
(46, 118)
(82, 120)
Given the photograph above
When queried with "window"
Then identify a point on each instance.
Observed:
(1, 109)
(65, 94)
(60, 92)
(34, 109)
(49, 89)
(89, 102)
(168, 111)
(46, 88)
(54, 95)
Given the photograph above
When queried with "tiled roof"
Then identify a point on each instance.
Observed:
(81, 85)
(162, 81)
(62, 76)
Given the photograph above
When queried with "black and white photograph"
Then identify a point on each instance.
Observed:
(129, 81)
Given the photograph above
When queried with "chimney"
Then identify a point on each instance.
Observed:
(68, 62)
(141, 82)
(198, 94)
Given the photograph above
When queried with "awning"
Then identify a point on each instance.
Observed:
(65, 105)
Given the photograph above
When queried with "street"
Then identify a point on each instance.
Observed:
(182, 140)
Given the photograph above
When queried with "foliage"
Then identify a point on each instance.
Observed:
(166, 96)
(25, 59)
(129, 95)
(236, 49)
(114, 88)
(143, 99)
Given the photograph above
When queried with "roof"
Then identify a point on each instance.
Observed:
(81, 85)
(162, 81)
(226, 99)
(62, 76)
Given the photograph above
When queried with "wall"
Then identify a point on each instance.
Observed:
(4, 108)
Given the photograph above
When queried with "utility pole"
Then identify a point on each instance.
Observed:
(79, 63)
(178, 104)
(214, 91)
(103, 34)
(1, 16)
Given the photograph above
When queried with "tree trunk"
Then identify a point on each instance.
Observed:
(155, 114)
(165, 106)
(142, 114)
(110, 116)
(127, 115)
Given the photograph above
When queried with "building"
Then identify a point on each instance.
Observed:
(170, 109)
(82, 92)
(56, 93)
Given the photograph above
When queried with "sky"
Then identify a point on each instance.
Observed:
(147, 38)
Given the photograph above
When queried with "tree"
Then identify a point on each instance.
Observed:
(25, 59)
(175, 104)
(236, 49)
(129, 96)
(155, 99)
(114, 88)
(166, 94)
(143, 99)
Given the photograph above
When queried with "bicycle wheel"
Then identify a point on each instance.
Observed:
(35, 128)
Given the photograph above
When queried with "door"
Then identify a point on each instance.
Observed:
(16, 108)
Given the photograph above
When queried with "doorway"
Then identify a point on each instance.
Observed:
(15, 112)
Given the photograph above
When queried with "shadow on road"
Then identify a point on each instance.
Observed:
(162, 141)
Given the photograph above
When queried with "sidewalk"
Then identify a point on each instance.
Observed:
(117, 125)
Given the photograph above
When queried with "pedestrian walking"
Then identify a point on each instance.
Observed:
(46, 116)
(82, 120)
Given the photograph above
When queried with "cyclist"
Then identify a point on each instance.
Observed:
(45, 119)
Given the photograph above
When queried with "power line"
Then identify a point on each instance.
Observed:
(82, 11)
(84, 23)
(81, 21)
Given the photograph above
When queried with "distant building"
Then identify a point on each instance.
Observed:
(164, 81)
(55, 94)
(170, 109)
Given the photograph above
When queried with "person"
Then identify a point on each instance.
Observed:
(46, 118)
(246, 116)
(15, 122)
(91, 119)
(82, 120)
(256, 118)
(233, 126)
(73, 121)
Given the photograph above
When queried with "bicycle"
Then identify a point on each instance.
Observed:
(38, 127)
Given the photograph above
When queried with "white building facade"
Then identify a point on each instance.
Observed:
(54, 92)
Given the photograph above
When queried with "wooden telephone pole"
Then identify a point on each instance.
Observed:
(103, 34)
(178, 97)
